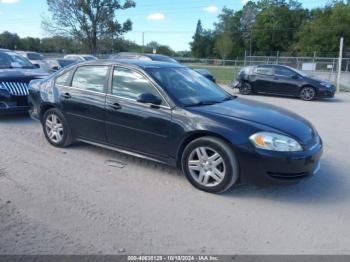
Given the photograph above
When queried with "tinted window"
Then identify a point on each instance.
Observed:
(131, 84)
(187, 86)
(264, 70)
(90, 78)
(62, 79)
(284, 72)
(13, 60)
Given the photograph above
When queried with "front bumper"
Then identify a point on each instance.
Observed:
(10, 104)
(326, 93)
(262, 167)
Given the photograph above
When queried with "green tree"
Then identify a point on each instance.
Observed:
(30, 43)
(276, 24)
(324, 28)
(224, 46)
(197, 43)
(87, 20)
(230, 25)
(9, 40)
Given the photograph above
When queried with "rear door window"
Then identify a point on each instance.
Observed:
(90, 78)
(280, 71)
(265, 70)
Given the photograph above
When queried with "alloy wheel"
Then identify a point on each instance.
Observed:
(54, 128)
(207, 166)
(308, 93)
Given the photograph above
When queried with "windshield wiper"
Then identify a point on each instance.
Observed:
(210, 102)
(203, 103)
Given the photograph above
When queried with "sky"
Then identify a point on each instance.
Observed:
(169, 22)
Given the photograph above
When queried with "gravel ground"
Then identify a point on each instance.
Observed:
(87, 200)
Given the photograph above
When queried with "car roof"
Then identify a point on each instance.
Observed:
(133, 62)
(272, 65)
(150, 55)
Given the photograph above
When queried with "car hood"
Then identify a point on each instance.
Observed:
(317, 80)
(270, 116)
(21, 75)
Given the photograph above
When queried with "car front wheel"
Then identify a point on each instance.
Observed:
(307, 93)
(210, 165)
(56, 128)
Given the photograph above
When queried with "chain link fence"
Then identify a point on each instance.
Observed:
(325, 68)
(225, 71)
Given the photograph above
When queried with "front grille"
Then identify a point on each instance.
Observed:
(288, 176)
(16, 88)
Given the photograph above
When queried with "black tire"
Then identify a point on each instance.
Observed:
(246, 88)
(230, 164)
(66, 134)
(307, 93)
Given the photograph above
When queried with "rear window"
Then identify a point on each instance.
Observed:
(264, 70)
(35, 56)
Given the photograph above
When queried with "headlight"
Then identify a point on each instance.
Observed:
(326, 84)
(2, 86)
(275, 142)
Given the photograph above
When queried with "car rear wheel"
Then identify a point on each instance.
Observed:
(307, 93)
(56, 128)
(210, 165)
(245, 88)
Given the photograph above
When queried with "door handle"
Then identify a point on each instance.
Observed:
(115, 106)
(66, 96)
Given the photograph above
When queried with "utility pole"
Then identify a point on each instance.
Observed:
(250, 47)
(143, 42)
(340, 62)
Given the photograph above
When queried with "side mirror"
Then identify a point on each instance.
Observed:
(149, 98)
(36, 65)
(295, 76)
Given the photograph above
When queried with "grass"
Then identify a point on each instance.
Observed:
(223, 74)
(344, 88)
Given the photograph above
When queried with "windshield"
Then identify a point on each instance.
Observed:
(35, 56)
(188, 87)
(163, 59)
(13, 60)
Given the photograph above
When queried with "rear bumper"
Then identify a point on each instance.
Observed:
(266, 167)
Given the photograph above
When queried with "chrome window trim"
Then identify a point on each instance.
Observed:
(138, 103)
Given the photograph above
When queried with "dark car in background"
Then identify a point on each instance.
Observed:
(80, 58)
(36, 59)
(282, 80)
(143, 56)
(168, 113)
(15, 74)
(158, 58)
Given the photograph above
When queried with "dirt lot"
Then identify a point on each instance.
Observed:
(87, 200)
